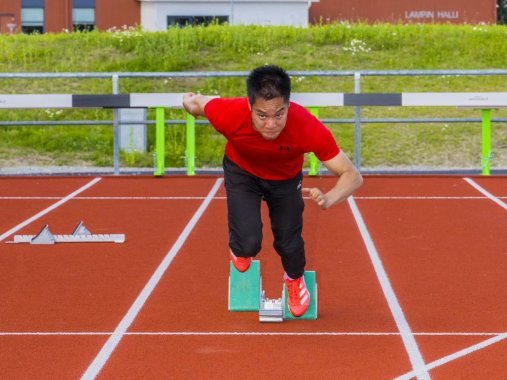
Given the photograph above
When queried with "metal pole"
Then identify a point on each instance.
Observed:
(116, 129)
(357, 123)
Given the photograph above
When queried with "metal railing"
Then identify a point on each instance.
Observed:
(357, 120)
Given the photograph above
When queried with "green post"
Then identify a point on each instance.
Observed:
(314, 163)
(190, 152)
(159, 141)
(486, 141)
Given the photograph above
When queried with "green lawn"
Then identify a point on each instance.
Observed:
(240, 48)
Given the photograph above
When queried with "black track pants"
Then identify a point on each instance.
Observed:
(285, 203)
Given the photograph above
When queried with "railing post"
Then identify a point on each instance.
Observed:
(486, 141)
(314, 163)
(357, 123)
(116, 128)
(190, 151)
(159, 141)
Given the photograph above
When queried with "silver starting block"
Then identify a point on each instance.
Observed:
(271, 310)
(80, 235)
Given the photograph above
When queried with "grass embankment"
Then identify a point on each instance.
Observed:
(240, 48)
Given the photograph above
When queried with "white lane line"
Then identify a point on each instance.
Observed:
(243, 333)
(482, 190)
(49, 209)
(457, 355)
(407, 336)
(115, 338)
(131, 198)
(177, 198)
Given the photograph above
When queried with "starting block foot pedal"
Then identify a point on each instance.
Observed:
(311, 284)
(43, 237)
(245, 288)
(81, 229)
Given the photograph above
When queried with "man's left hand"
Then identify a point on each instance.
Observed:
(317, 196)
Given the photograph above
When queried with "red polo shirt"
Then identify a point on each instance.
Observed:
(278, 159)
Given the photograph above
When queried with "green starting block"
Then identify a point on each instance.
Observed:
(245, 288)
(246, 294)
(311, 284)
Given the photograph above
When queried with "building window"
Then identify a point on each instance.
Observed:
(32, 16)
(83, 15)
(195, 20)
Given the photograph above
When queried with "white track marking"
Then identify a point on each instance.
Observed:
(115, 338)
(244, 333)
(457, 355)
(407, 336)
(49, 209)
(179, 198)
(131, 198)
(424, 198)
(482, 190)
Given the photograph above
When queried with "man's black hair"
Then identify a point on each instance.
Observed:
(268, 82)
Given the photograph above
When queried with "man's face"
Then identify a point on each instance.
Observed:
(269, 116)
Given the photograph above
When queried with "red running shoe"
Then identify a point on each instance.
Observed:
(299, 296)
(240, 263)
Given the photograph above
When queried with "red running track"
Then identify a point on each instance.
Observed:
(411, 277)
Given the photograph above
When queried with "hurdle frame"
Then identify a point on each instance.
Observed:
(485, 101)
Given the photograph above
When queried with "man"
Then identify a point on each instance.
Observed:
(267, 136)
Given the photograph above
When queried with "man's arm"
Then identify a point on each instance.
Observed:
(194, 103)
(349, 179)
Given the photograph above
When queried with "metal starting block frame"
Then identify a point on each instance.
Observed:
(246, 294)
(80, 235)
(271, 310)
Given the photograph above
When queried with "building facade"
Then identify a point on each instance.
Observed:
(159, 14)
(45, 16)
(53, 16)
(405, 11)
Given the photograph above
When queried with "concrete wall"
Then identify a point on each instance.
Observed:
(282, 12)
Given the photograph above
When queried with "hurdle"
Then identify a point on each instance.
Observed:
(157, 101)
(485, 101)
(246, 294)
(313, 101)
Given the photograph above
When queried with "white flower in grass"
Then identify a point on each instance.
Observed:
(357, 46)
(53, 114)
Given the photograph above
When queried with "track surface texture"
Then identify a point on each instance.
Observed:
(411, 275)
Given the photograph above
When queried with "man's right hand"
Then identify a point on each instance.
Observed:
(194, 103)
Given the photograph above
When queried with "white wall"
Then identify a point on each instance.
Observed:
(262, 12)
